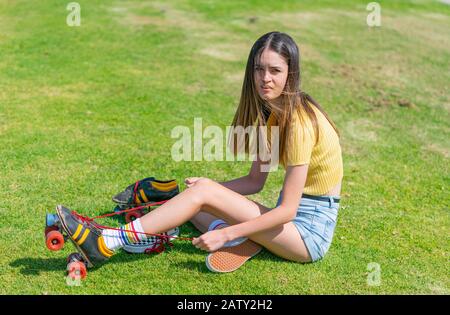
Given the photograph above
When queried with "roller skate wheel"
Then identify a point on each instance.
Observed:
(77, 270)
(131, 216)
(54, 240)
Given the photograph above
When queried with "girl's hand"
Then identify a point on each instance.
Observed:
(211, 241)
(190, 181)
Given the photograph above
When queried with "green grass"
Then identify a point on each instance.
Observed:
(85, 111)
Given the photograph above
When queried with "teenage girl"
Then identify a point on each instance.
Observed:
(301, 226)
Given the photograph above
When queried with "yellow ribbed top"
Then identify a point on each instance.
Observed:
(325, 168)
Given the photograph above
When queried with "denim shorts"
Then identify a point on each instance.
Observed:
(315, 221)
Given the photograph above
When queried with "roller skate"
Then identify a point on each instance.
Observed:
(141, 193)
(87, 238)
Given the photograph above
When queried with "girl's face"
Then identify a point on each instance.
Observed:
(271, 73)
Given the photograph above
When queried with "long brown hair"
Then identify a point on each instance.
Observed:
(254, 111)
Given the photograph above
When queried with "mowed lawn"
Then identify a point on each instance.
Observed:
(86, 111)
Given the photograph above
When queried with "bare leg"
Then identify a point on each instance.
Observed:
(202, 220)
(221, 202)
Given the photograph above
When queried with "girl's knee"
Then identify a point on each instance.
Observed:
(204, 183)
(203, 187)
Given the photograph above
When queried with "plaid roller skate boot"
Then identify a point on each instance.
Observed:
(145, 191)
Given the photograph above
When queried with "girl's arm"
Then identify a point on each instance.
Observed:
(294, 183)
(242, 185)
(251, 183)
(246, 185)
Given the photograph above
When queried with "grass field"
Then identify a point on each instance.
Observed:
(85, 111)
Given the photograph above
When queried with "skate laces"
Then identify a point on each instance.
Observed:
(161, 239)
(158, 246)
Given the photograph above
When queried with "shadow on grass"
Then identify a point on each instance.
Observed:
(34, 266)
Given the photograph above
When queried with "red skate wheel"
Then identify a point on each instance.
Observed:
(133, 215)
(77, 270)
(48, 229)
(54, 240)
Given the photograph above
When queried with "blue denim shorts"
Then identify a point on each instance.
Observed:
(315, 221)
